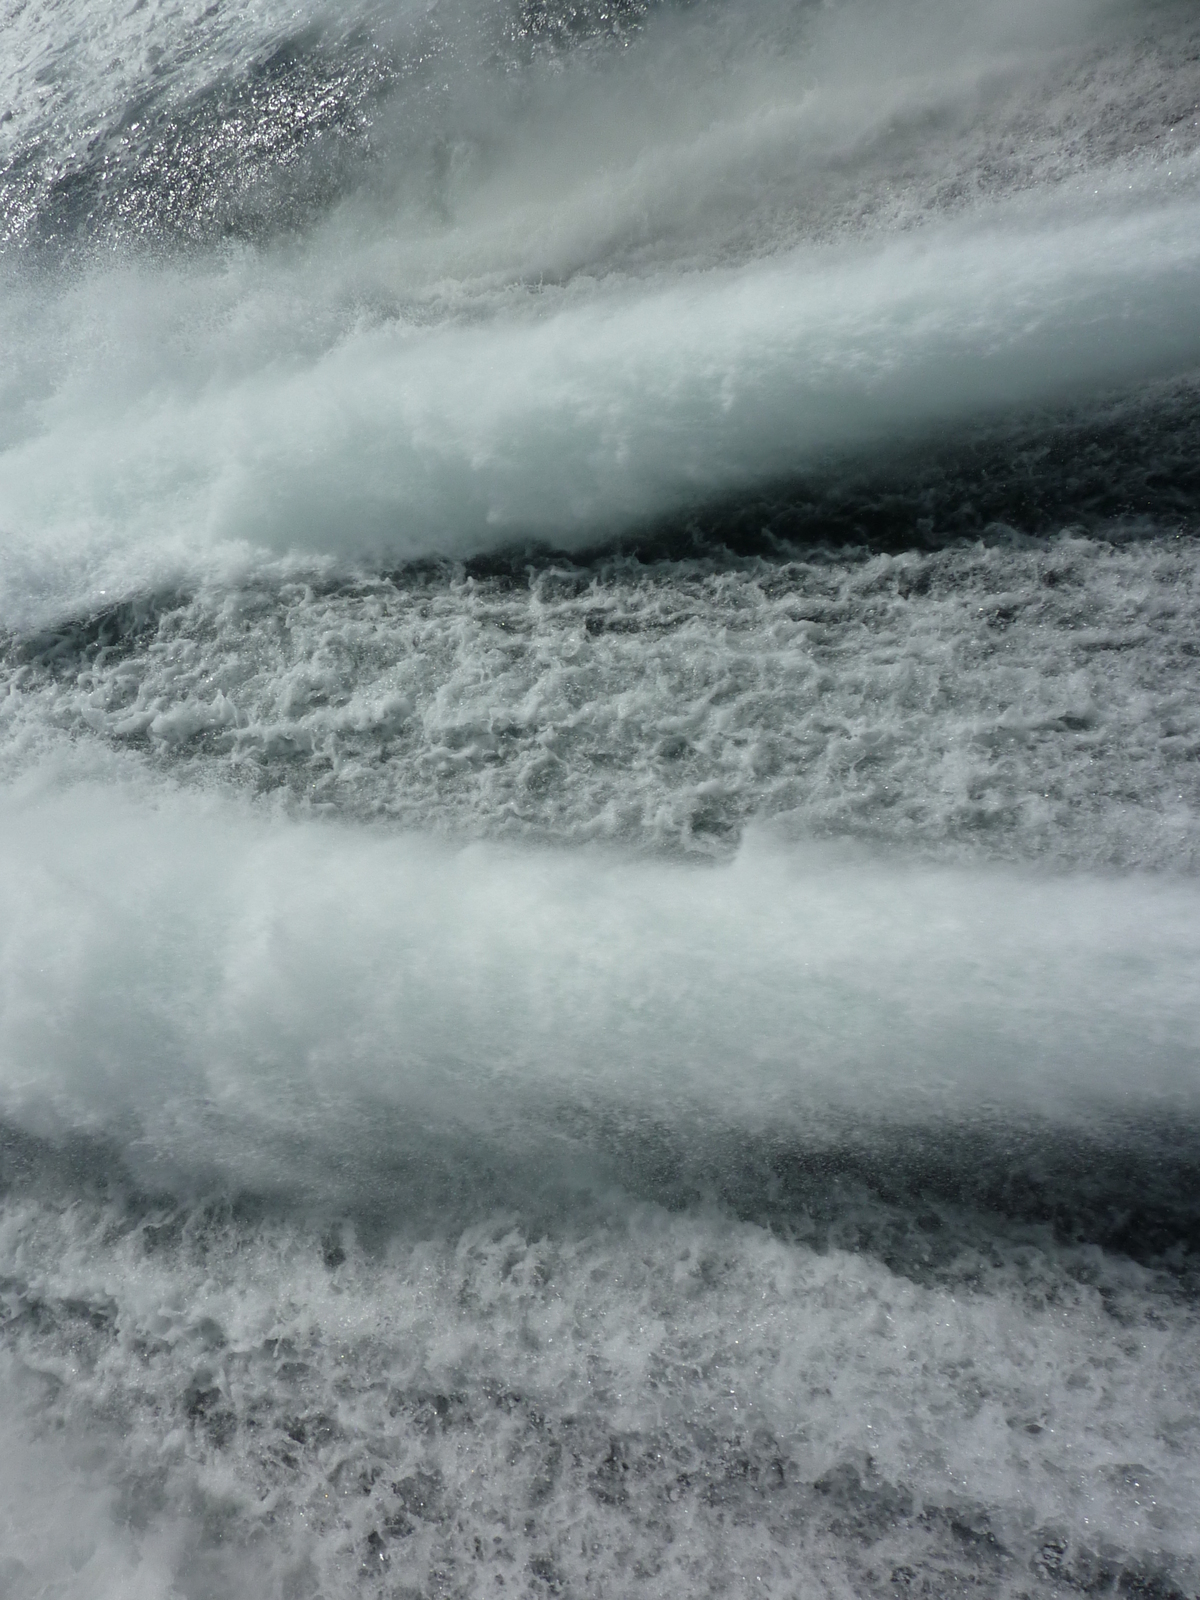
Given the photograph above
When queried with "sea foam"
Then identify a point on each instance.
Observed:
(545, 346)
(224, 996)
(577, 423)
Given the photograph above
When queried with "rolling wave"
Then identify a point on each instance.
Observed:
(584, 331)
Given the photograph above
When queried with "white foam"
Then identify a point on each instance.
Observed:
(61, 1532)
(521, 356)
(670, 1390)
(217, 992)
(1029, 703)
(403, 440)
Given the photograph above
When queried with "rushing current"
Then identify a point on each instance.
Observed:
(599, 799)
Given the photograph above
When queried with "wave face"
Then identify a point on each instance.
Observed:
(598, 799)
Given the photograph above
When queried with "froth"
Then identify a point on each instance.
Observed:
(403, 440)
(271, 1411)
(1004, 699)
(514, 354)
(219, 995)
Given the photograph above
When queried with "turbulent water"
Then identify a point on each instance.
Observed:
(599, 799)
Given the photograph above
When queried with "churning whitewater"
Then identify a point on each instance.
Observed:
(599, 799)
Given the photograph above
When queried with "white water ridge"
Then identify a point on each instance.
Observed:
(384, 389)
(336, 971)
(578, 423)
